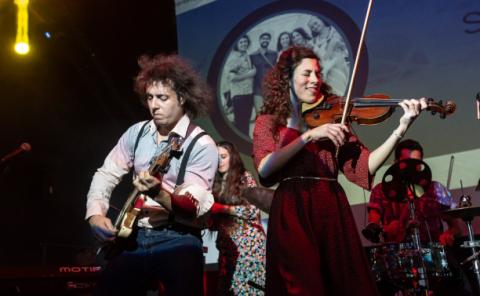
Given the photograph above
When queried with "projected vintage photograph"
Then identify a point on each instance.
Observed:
(254, 51)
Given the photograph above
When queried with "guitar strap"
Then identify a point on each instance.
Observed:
(140, 133)
(183, 165)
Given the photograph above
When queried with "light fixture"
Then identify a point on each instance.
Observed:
(21, 44)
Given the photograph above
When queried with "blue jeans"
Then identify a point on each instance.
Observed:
(166, 255)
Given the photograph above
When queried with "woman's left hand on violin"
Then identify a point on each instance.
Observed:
(412, 109)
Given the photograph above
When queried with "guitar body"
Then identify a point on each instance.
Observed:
(128, 220)
(124, 223)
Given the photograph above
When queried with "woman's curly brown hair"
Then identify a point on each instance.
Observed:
(276, 84)
(180, 76)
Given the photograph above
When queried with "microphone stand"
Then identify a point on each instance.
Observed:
(471, 243)
(4, 166)
(422, 269)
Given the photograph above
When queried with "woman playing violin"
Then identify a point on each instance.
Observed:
(313, 245)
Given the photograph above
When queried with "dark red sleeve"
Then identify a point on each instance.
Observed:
(263, 138)
(184, 206)
(353, 162)
(264, 144)
(376, 198)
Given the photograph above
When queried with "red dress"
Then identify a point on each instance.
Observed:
(313, 247)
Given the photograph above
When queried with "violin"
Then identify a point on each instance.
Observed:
(367, 110)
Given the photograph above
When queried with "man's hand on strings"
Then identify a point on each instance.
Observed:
(147, 184)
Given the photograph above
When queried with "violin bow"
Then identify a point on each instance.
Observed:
(346, 110)
(355, 65)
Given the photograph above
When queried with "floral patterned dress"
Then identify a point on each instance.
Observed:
(241, 248)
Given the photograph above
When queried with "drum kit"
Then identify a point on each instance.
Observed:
(410, 267)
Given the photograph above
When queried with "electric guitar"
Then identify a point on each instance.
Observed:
(131, 209)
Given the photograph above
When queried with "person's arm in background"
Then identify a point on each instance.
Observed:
(447, 238)
(246, 211)
(394, 231)
(236, 77)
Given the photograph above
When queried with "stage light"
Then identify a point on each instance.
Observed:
(21, 44)
(22, 48)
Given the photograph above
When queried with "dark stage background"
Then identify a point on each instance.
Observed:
(70, 98)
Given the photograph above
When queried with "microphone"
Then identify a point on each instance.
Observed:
(25, 147)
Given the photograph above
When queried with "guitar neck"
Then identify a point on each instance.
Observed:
(127, 207)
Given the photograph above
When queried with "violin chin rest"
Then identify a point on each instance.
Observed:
(307, 107)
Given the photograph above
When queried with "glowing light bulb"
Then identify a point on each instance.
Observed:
(22, 48)
(21, 44)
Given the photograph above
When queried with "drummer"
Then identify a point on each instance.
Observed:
(395, 218)
(397, 226)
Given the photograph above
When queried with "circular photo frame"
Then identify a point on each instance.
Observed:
(252, 47)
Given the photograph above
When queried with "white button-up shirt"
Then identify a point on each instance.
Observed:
(200, 170)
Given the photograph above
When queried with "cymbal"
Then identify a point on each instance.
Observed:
(407, 173)
(466, 213)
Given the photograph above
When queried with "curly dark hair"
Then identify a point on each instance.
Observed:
(235, 178)
(180, 76)
(408, 144)
(276, 87)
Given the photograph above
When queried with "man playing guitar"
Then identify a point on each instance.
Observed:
(165, 244)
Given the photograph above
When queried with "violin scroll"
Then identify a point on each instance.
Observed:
(438, 107)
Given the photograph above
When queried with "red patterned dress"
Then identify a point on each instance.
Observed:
(313, 247)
